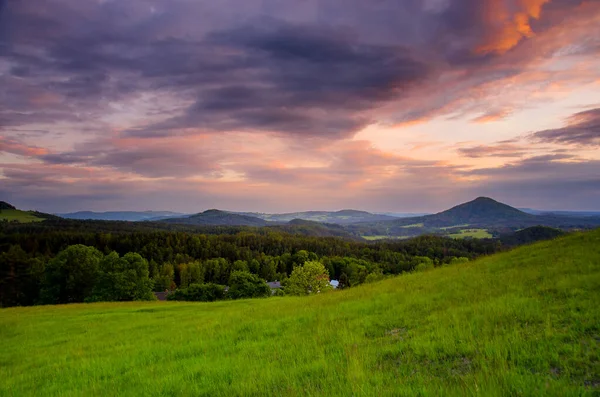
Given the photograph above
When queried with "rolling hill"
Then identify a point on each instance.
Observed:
(523, 322)
(218, 218)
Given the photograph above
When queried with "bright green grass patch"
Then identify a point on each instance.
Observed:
(523, 323)
(19, 216)
(473, 233)
(413, 225)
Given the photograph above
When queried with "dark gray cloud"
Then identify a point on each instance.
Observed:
(303, 80)
(309, 68)
(148, 159)
(582, 128)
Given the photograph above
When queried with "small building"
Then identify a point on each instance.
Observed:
(274, 285)
(161, 296)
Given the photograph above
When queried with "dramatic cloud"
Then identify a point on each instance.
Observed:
(582, 128)
(268, 104)
(497, 150)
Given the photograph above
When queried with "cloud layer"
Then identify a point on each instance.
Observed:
(257, 104)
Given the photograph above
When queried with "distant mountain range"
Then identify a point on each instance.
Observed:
(132, 216)
(343, 217)
(478, 218)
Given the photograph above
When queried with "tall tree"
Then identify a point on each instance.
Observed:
(71, 275)
(244, 284)
(310, 278)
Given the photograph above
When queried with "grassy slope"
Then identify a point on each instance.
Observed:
(18, 215)
(525, 322)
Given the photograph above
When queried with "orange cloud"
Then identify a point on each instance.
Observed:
(508, 27)
(491, 117)
(15, 147)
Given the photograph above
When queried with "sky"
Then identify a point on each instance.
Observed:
(275, 106)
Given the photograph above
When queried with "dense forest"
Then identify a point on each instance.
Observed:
(76, 261)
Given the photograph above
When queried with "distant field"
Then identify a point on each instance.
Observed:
(20, 216)
(473, 233)
(453, 227)
(375, 238)
(522, 323)
(414, 225)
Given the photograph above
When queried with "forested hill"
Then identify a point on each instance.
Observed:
(133, 216)
(5, 206)
(479, 211)
(216, 217)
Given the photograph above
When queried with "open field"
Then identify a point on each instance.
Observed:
(18, 215)
(526, 322)
(473, 233)
(375, 238)
(413, 225)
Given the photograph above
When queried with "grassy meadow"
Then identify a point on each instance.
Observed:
(19, 216)
(522, 323)
(471, 233)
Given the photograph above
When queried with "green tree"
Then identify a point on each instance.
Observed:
(377, 275)
(20, 277)
(423, 263)
(247, 285)
(268, 269)
(208, 292)
(344, 281)
(123, 279)
(165, 279)
(310, 278)
(300, 257)
(71, 275)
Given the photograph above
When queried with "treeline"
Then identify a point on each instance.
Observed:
(30, 255)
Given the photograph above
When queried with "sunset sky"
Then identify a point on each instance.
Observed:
(273, 105)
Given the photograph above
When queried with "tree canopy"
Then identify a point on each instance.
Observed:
(310, 278)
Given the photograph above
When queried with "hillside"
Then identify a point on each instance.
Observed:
(133, 216)
(6, 206)
(518, 323)
(218, 218)
(476, 216)
(482, 210)
(10, 213)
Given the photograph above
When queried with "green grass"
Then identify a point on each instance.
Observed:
(19, 216)
(413, 225)
(522, 323)
(473, 233)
